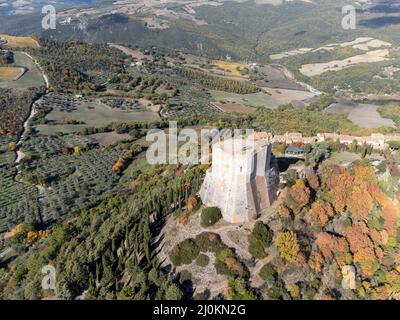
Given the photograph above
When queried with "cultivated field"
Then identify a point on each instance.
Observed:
(11, 73)
(90, 114)
(19, 42)
(269, 98)
(137, 54)
(253, 100)
(284, 96)
(230, 67)
(109, 138)
(315, 69)
(276, 77)
(18, 201)
(363, 115)
(31, 78)
(76, 181)
(233, 107)
(362, 43)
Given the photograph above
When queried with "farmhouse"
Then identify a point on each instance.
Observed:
(243, 179)
(294, 152)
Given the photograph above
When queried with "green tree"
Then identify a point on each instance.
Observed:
(173, 293)
(210, 216)
(268, 273)
(237, 290)
(259, 239)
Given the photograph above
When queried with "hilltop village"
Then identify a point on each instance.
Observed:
(290, 218)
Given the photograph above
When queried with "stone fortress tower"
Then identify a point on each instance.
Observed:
(243, 179)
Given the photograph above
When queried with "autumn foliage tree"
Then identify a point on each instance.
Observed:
(391, 215)
(122, 162)
(360, 202)
(283, 211)
(312, 179)
(287, 245)
(297, 197)
(337, 182)
(192, 203)
(362, 248)
(364, 230)
(119, 165)
(333, 247)
(320, 213)
(316, 261)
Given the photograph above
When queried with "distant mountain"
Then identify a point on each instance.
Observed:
(386, 6)
(243, 29)
(15, 7)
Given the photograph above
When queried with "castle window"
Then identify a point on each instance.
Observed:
(241, 169)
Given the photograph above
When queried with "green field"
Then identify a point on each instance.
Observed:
(31, 78)
(254, 99)
(90, 114)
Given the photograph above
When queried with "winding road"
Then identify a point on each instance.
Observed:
(23, 136)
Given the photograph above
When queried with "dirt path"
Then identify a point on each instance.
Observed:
(20, 154)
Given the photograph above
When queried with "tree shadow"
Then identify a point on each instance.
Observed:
(380, 22)
(285, 162)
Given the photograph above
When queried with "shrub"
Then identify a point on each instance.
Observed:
(184, 253)
(202, 260)
(227, 263)
(210, 216)
(259, 239)
(268, 273)
(185, 276)
(173, 293)
(208, 241)
(311, 289)
(277, 291)
(237, 290)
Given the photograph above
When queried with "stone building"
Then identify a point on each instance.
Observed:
(243, 179)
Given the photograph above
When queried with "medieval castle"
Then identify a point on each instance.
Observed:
(243, 179)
